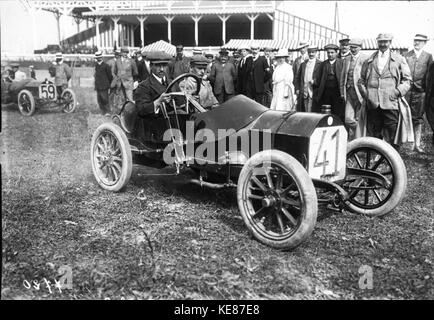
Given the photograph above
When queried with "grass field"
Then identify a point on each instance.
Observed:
(184, 242)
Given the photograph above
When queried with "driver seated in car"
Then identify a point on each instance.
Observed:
(206, 98)
(150, 93)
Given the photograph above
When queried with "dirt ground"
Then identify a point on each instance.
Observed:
(184, 242)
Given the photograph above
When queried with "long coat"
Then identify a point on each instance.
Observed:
(296, 67)
(419, 69)
(260, 74)
(103, 76)
(356, 75)
(125, 72)
(245, 76)
(223, 77)
(377, 88)
(283, 88)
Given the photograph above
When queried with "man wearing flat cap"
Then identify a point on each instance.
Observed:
(180, 65)
(149, 95)
(385, 79)
(329, 75)
(103, 78)
(305, 84)
(222, 77)
(198, 64)
(125, 72)
(355, 112)
(344, 48)
(419, 61)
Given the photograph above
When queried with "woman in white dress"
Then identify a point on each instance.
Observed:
(283, 89)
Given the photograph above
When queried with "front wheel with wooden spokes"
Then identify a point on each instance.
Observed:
(111, 157)
(277, 199)
(376, 177)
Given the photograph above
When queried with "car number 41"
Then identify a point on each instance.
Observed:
(327, 153)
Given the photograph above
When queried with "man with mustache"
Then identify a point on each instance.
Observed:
(385, 78)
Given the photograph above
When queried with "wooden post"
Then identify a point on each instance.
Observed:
(252, 18)
(169, 27)
(142, 19)
(116, 32)
(196, 20)
(224, 18)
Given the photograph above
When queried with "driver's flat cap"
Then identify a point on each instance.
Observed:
(198, 60)
(159, 57)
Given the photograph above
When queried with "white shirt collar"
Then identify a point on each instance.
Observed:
(160, 80)
(332, 62)
(417, 52)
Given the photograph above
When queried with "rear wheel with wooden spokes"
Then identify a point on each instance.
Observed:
(277, 199)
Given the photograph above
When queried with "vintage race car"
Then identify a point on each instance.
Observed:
(284, 165)
(30, 94)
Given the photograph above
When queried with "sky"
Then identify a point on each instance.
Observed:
(362, 19)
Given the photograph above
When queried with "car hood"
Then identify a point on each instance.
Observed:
(236, 113)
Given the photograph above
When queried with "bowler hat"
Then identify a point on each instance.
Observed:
(159, 57)
(420, 37)
(384, 37)
(331, 46)
(223, 51)
(356, 42)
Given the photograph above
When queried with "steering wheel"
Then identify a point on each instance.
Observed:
(181, 77)
(177, 97)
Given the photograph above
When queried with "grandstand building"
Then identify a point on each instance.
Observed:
(191, 23)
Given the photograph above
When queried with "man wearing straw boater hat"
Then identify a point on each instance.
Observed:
(419, 61)
(103, 79)
(62, 74)
(385, 80)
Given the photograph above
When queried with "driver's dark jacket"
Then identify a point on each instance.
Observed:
(146, 93)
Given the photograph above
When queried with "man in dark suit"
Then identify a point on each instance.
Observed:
(429, 98)
(150, 94)
(222, 77)
(268, 95)
(244, 77)
(260, 74)
(302, 48)
(103, 79)
(419, 61)
(306, 86)
(328, 77)
(385, 78)
(180, 65)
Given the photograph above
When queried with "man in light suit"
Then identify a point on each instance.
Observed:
(305, 86)
(385, 78)
(125, 71)
(354, 110)
(222, 77)
(419, 61)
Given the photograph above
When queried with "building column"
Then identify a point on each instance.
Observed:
(142, 20)
(132, 35)
(224, 18)
(97, 34)
(196, 20)
(169, 27)
(116, 32)
(252, 18)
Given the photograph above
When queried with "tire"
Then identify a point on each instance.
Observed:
(71, 101)
(295, 193)
(26, 103)
(386, 159)
(110, 145)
